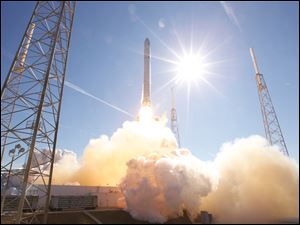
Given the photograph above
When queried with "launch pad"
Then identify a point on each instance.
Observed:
(27, 94)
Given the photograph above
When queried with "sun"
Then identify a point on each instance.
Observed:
(190, 68)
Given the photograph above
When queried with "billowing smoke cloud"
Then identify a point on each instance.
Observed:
(66, 165)
(159, 187)
(249, 181)
(257, 183)
(104, 159)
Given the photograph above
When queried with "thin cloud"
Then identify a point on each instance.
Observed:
(80, 90)
(231, 14)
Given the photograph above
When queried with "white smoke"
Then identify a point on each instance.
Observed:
(104, 159)
(63, 159)
(159, 187)
(66, 164)
(257, 184)
(249, 181)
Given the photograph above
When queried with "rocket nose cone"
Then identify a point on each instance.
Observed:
(147, 42)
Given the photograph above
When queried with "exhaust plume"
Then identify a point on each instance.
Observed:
(104, 159)
(159, 187)
(258, 184)
(249, 181)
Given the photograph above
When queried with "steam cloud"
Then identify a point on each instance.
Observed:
(104, 159)
(257, 184)
(159, 187)
(249, 181)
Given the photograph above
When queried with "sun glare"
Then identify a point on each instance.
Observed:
(190, 68)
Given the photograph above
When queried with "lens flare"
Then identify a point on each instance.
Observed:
(190, 68)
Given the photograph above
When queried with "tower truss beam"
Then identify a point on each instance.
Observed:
(272, 129)
(31, 99)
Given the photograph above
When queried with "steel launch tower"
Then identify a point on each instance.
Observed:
(31, 98)
(271, 124)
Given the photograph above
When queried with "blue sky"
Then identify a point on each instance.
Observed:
(106, 60)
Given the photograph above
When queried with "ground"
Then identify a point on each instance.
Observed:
(112, 216)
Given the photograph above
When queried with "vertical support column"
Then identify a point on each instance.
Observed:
(271, 124)
(38, 118)
(31, 99)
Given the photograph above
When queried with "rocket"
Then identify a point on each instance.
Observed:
(147, 74)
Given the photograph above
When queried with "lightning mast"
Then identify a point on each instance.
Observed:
(174, 123)
(270, 120)
(31, 99)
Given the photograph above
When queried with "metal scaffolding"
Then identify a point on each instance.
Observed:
(31, 99)
(271, 124)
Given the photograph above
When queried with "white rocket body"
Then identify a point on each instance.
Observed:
(147, 74)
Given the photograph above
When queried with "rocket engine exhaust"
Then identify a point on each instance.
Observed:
(147, 74)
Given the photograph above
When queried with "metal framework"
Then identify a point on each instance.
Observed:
(174, 123)
(31, 99)
(271, 124)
